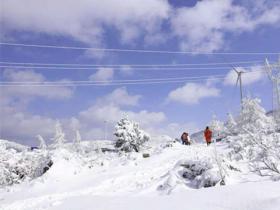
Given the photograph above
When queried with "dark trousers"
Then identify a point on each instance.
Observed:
(185, 143)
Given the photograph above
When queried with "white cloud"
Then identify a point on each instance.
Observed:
(103, 74)
(112, 113)
(95, 54)
(85, 20)
(29, 92)
(95, 116)
(174, 130)
(16, 121)
(192, 93)
(90, 121)
(23, 126)
(110, 109)
(254, 74)
(23, 76)
(119, 97)
(203, 27)
(126, 70)
(200, 28)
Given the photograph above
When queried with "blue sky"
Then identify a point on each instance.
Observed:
(204, 26)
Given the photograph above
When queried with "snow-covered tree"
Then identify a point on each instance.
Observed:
(217, 127)
(230, 125)
(59, 137)
(253, 117)
(42, 143)
(77, 142)
(256, 140)
(129, 136)
(78, 138)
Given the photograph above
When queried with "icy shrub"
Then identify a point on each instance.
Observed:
(253, 117)
(17, 166)
(129, 136)
(77, 142)
(78, 138)
(264, 154)
(201, 173)
(42, 143)
(230, 125)
(217, 128)
(256, 140)
(197, 172)
(59, 137)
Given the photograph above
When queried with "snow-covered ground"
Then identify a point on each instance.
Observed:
(108, 181)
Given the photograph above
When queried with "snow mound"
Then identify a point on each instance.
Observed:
(201, 172)
(18, 166)
(5, 144)
(194, 172)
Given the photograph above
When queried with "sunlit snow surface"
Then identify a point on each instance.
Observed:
(111, 181)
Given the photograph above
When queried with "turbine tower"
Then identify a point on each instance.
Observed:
(239, 79)
(274, 75)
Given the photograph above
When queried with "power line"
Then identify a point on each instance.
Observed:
(130, 80)
(142, 69)
(106, 81)
(114, 82)
(94, 68)
(130, 65)
(104, 84)
(136, 50)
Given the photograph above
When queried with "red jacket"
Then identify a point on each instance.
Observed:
(208, 135)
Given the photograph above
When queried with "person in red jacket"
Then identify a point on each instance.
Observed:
(185, 139)
(208, 135)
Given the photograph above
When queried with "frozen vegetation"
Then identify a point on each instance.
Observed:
(136, 171)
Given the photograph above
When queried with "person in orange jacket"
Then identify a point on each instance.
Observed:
(208, 135)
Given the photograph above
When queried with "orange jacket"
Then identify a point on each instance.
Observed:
(208, 135)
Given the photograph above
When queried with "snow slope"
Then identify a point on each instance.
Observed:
(132, 182)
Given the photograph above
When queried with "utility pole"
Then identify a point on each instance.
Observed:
(274, 76)
(240, 85)
(105, 130)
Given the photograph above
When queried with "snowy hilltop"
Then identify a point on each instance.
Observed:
(136, 171)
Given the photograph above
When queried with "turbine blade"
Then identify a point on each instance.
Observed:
(236, 70)
(238, 77)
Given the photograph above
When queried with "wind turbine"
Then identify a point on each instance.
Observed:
(275, 78)
(239, 79)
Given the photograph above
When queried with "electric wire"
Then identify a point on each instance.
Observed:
(140, 69)
(129, 65)
(135, 50)
(115, 82)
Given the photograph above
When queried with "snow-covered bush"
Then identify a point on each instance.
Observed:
(253, 117)
(42, 143)
(264, 154)
(230, 125)
(196, 172)
(59, 137)
(217, 128)
(78, 138)
(77, 142)
(129, 136)
(201, 172)
(256, 140)
(18, 166)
